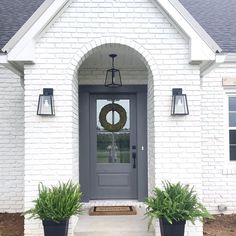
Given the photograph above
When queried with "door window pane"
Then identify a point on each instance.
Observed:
(232, 126)
(233, 153)
(232, 119)
(232, 103)
(113, 147)
(232, 137)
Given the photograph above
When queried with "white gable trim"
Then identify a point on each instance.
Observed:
(21, 46)
(202, 46)
(196, 26)
(20, 33)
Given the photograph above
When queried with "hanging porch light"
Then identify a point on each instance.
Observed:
(179, 104)
(113, 77)
(46, 103)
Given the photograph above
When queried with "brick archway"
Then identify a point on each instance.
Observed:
(153, 72)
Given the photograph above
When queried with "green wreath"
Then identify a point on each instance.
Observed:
(103, 117)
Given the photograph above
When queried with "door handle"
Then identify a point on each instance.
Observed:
(134, 159)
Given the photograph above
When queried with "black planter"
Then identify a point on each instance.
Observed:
(175, 229)
(52, 228)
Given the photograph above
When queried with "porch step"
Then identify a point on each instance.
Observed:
(136, 225)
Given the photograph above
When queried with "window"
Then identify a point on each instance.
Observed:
(232, 127)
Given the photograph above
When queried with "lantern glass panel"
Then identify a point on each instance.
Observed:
(113, 78)
(45, 105)
(179, 105)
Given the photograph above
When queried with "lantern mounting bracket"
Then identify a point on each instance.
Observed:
(48, 91)
(177, 91)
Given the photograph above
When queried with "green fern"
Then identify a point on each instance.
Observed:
(176, 202)
(57, 203)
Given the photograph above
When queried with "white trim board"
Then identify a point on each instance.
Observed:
(199, 49)
(21, 32)
(22, 47)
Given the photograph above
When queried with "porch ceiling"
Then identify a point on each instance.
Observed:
(127, 59)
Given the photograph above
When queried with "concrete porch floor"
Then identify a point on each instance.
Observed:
(134, 225)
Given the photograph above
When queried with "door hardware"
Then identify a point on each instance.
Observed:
(134, 159)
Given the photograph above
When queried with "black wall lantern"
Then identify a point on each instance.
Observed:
(113, 77)
(179, 104)
(46, 103)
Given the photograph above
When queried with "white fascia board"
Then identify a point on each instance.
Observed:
(197, 27)
(202, 46)
(23, 49)
(20, 33)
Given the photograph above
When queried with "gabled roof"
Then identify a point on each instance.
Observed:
(13, 15)
(217, 17)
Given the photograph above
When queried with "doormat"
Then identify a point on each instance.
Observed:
(112, 210)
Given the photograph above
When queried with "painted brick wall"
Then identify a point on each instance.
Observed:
(219, 174)
(11, 142)
(50, 143)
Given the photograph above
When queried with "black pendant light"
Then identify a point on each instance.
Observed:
(113, 77)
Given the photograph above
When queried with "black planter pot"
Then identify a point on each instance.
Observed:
(52, 228)
(175, 229)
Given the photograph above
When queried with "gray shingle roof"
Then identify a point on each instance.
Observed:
(13, 14)
(217, 17)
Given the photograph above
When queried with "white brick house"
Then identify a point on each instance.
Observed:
(65, 45)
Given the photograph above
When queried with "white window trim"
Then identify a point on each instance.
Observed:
(229, 165)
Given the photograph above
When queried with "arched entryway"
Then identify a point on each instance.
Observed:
(114, 164)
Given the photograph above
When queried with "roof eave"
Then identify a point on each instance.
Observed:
(20, 33)
(196, 26)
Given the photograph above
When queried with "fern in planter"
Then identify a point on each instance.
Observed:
(55, 205)
(175, 203)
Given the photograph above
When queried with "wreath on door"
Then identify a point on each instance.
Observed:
(115, 108)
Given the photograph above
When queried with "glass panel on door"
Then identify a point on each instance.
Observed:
(113, 147)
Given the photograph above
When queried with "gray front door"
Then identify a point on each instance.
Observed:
(113, 163)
